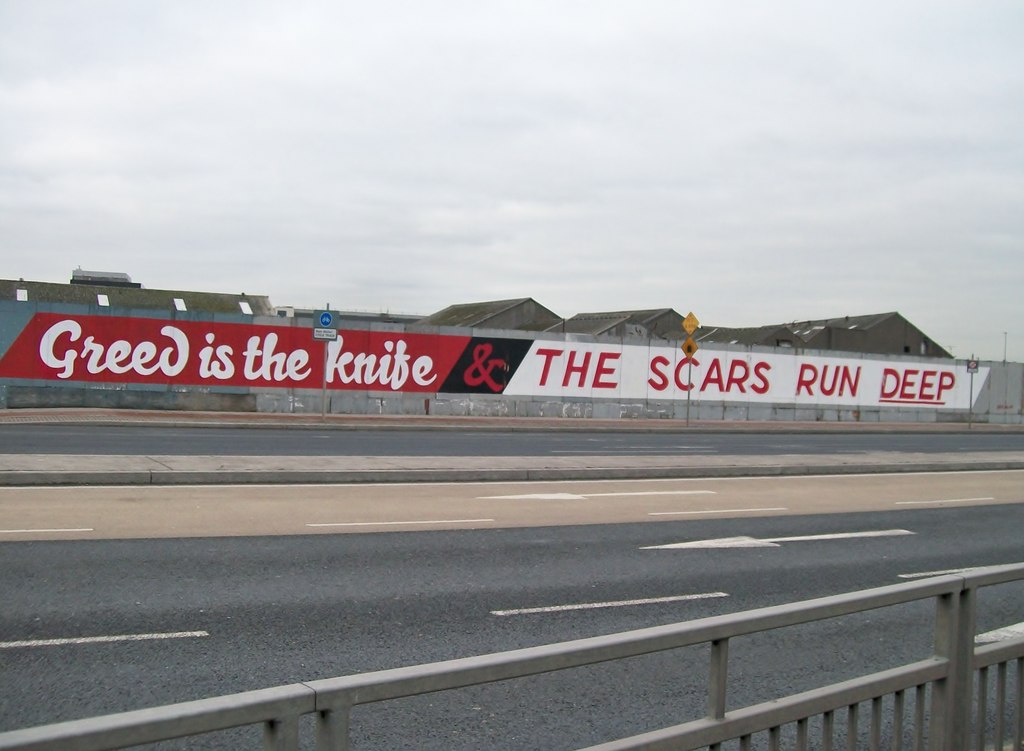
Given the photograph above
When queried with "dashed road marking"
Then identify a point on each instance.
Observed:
(101, 639)
(614, 604)
(945, 572)
(585, 496)
(400, 524)
(41, 531)
(715, 511)
(949, 500)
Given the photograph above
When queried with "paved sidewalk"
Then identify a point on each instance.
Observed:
(42, 469)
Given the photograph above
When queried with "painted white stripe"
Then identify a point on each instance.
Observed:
(1001, 634)
(945, 572)
(534, 497)
(616, 604)
(742, 541)
(646, 449)
(584, 496)
(101, 639)
(715, 511)
(773, 542)
(31, 531)
(950, 500)
(652, 492)
(399, 524)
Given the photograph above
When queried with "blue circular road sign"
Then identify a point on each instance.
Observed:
(326, 318)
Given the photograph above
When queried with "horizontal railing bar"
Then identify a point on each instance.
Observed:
(469, 671)
(989, 575)
(987, 655)
(761, 717)
(164, 723)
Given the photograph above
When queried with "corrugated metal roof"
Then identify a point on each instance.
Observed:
(133, 297)
(471, 314)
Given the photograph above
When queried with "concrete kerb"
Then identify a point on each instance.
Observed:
(30, 478)
(139, 471)
(300, 421)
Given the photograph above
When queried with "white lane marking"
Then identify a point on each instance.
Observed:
(392, 524)
(584, 496)
(722, 542)
(616, 604)
(534, 497)
(715, 511)
(945, 572)
(101, 639)
(773, 542)
(1001, 634)
(29, 531)
(645, 449)
(950, 500)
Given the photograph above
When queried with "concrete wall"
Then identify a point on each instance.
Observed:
(1001, 398)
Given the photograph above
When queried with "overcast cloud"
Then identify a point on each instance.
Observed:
(753, 162)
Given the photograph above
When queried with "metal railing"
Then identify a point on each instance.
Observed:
(944, 715)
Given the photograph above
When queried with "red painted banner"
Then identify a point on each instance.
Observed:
(102, 349)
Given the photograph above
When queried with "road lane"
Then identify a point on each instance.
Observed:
(504, 440)
(41, 513)
(290, 608)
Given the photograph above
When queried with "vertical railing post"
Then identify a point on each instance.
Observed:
(718, 678)
(281, 734)
(332, 727)
(961, 698)
(1001, 672)
(951, 696)
(1019, 704)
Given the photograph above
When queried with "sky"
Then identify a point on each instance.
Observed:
(751, 162)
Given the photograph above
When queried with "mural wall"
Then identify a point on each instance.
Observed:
(278, 366)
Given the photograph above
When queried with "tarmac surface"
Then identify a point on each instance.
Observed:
(49, 469)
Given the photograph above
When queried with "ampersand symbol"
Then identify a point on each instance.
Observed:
(483, 365)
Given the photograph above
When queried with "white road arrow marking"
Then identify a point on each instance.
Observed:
(1001, 634)
(585, 496)
(773, 542)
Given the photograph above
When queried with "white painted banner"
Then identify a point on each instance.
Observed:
(587, 370)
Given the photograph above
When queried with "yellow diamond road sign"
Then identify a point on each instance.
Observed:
(689, 346)
(690, 323)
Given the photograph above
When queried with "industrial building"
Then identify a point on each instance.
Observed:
(883, 333)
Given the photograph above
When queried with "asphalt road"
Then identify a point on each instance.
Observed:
(65, 438)
(290, 608)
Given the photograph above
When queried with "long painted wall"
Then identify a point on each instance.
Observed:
(62, 355)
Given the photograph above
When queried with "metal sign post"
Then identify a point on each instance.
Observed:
(690, 324)
(972, 368)
(324, 331)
